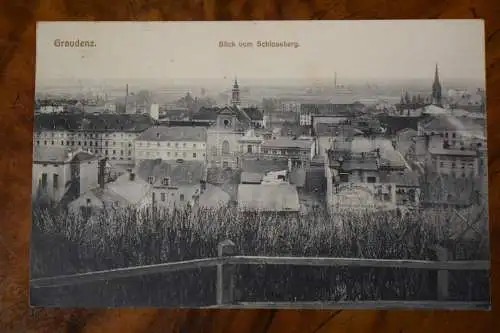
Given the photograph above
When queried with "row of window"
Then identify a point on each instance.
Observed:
(85, 135)
(85, 143)
(168, 154)
(163, 196)
(169, 144)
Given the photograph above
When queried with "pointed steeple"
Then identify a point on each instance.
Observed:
(436, 88)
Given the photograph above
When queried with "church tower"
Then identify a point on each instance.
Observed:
(436, 88)
(235, 97)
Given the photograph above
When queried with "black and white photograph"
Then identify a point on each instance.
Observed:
(260, 164)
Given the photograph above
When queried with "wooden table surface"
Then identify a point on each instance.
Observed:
(17, 68)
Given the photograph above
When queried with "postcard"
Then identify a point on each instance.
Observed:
(291, 164)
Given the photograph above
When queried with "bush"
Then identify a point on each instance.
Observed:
(65, 243)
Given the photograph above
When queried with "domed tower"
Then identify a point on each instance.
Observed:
(235, 97)
(436, 88)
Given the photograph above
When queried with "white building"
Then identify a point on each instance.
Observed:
(61, 172)
(172, 143)
(173, 183)
(268, 198)
(51, 109)
(154, 111)
(106, 135)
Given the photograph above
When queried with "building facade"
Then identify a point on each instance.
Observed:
(172, 143)
(61, 172)
(107, 135)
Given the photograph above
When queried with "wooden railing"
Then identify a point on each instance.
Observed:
(228, 259)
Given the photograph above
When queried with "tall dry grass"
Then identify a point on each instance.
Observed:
(65, 243)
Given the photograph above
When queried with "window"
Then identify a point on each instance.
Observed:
(371, 179)
(182, 197)
(249, 149)
(45, 142)
(44, 181)
(344, 177)
(162, 196)
(62, 143)
(225, 164)
(151, 179)
(165, 181)
(225, 147)
(454, 135)
(194, 145)
(194, 155)
(176, 145)
(55, 181)
(184, 145)
(214, 151)
(114, 152)
(441, 164)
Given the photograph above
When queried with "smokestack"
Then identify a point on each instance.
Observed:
(126, 97)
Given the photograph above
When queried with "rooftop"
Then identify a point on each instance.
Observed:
(251, 177)
(453, 123)
(325, 129)
(174, 133)
(178, 173)
(288, 143)
(254, 113)
(60, 155)
(213, 197)
(268, 197)
(359, 165)
(388, 154)
(92, 122)
(263, 166)
(133, 191)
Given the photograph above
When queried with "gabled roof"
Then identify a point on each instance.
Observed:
(263, 166)
(90, 122)
(178, 173)
(254, 113)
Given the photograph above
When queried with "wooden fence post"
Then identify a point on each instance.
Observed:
(442, 275)
(225, 274)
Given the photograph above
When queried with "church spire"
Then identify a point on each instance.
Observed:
(436, 88)
(235, 96)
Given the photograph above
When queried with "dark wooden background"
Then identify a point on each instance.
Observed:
(17, 69)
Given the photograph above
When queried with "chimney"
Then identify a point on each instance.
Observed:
(132, 176)
(101, 172)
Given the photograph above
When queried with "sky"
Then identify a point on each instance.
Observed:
(363, 50)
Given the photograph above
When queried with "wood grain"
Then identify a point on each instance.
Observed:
(17, 68)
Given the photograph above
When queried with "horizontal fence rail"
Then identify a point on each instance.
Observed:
(228, 259)
(355, 262)
(120, 273)
(372, 305)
